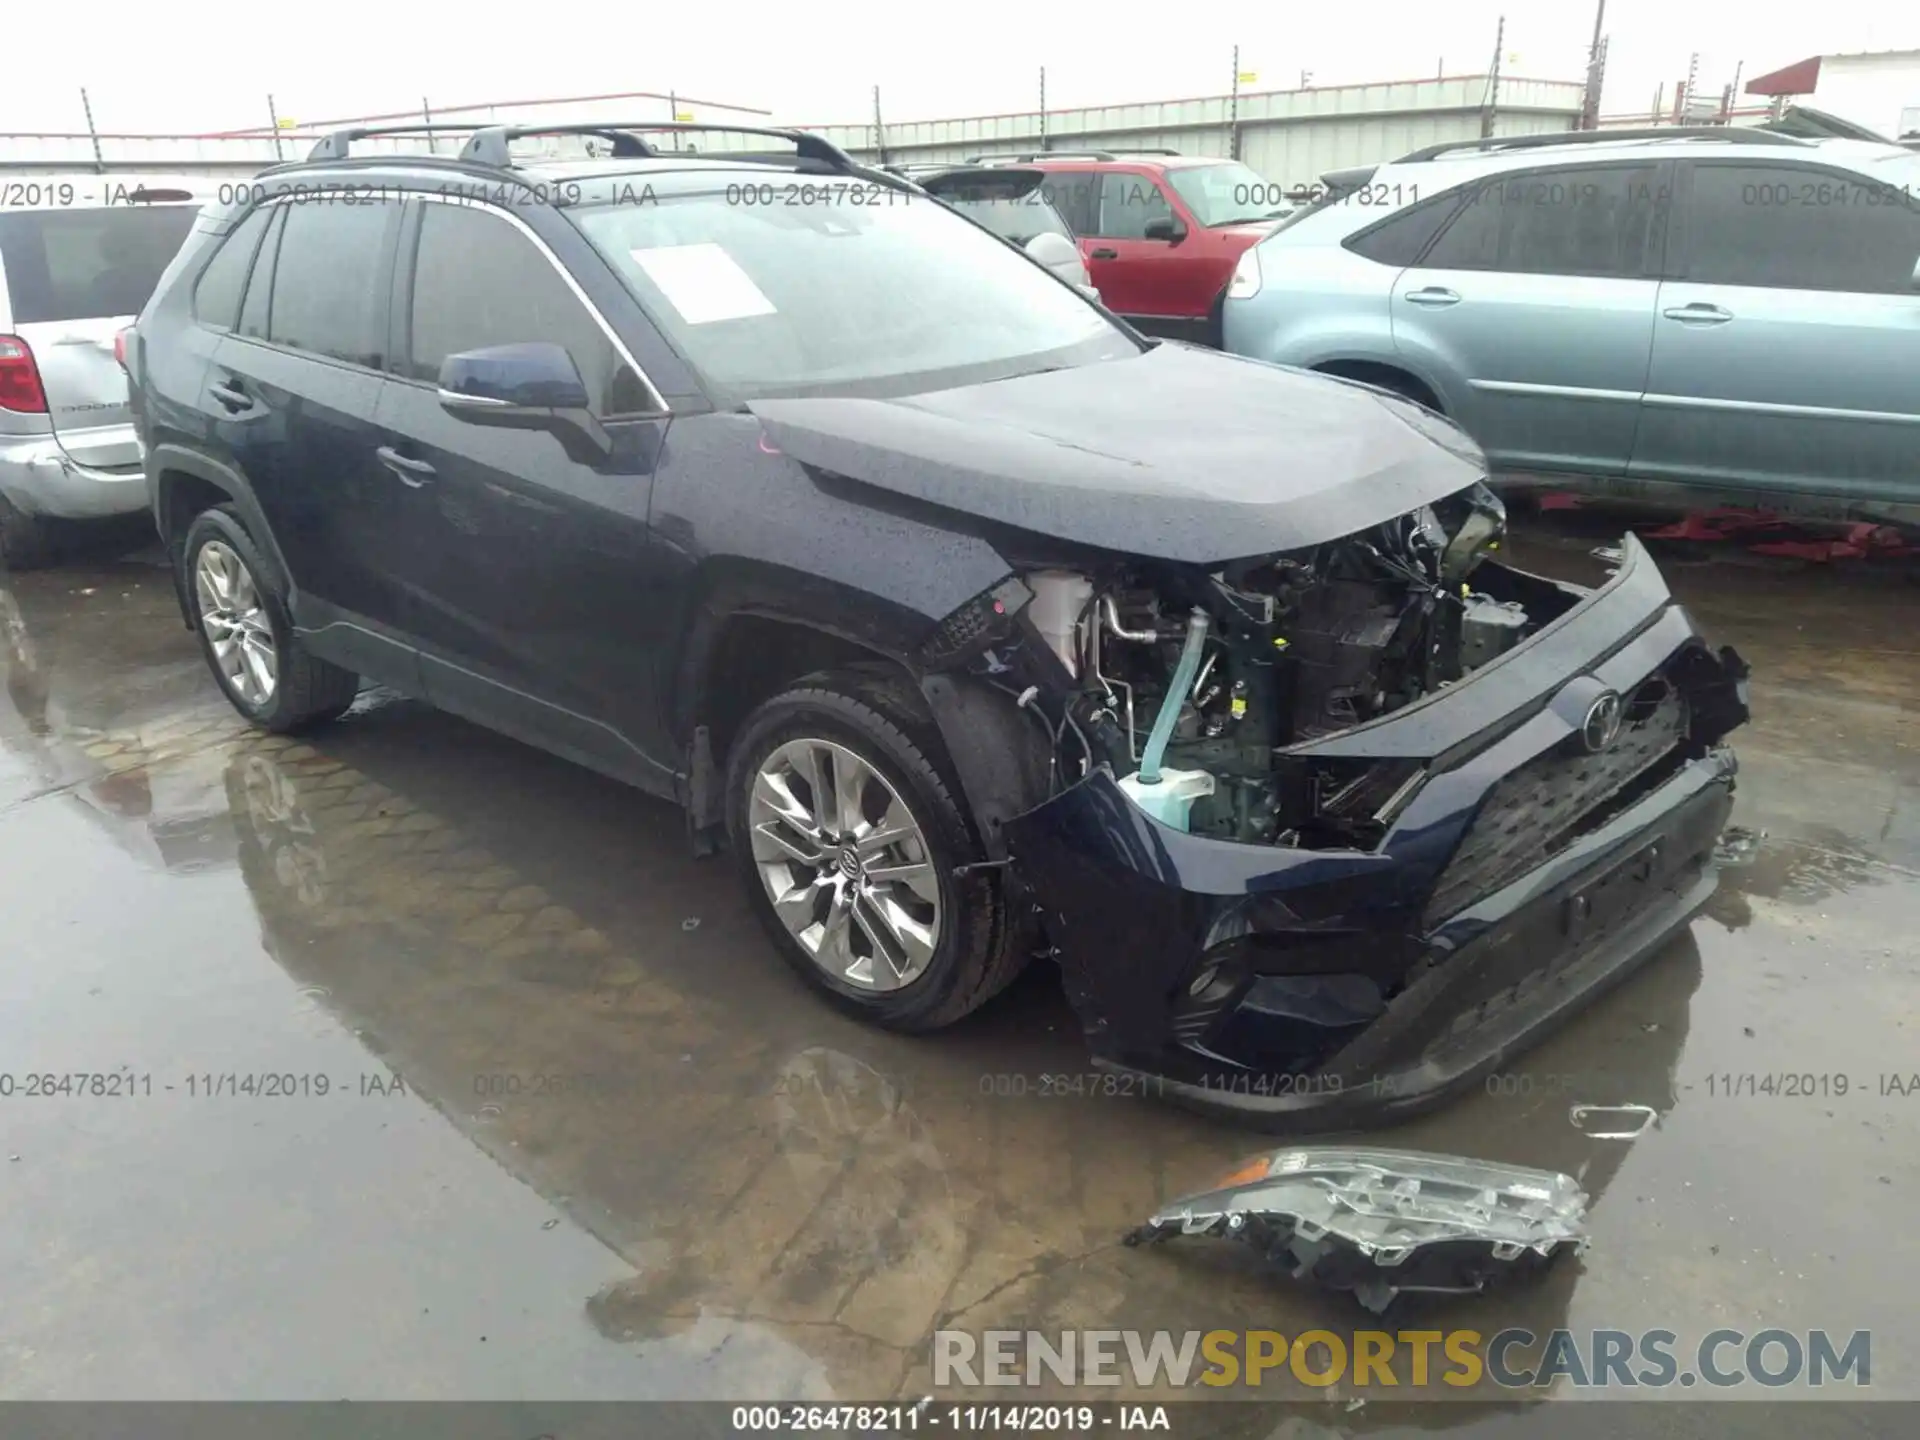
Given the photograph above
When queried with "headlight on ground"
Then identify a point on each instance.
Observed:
(1246, 275)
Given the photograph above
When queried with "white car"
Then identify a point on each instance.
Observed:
(79, 255)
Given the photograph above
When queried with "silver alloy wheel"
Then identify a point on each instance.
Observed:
(235, 622)
(845, 863)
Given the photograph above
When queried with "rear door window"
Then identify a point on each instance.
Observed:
(88, 264)
(1400, 240)
(1601, 220)
(253, 310)
(1794, 227)
(1076, 195)
(1128, 204)
(216, 298)
(329, 282)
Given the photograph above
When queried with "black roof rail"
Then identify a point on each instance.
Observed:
(1727, 134)
(1029, 157)
(489, 143)
(338, 144)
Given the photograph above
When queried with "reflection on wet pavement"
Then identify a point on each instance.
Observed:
(582, 1136)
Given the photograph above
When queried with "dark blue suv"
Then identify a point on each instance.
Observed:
(978, 625)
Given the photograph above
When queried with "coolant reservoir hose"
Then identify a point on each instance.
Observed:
(1176, 697)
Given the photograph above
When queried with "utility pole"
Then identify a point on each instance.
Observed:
(1733, 92)
(879, 127)
(273, 117)
(1492, 106)
(1590, 103)
(426, 113)
(1685, 111)
(99, 164)
(1043, 107)
(1233, 110)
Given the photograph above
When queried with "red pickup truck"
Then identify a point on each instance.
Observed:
(1160, 232)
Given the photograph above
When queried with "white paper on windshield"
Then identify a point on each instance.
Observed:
(703, 282)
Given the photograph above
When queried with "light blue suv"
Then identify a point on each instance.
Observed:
(1723, 308)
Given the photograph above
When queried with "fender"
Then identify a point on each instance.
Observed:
(729, 589)
(165, 463)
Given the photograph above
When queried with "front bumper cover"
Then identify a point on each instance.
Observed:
(1312, 989)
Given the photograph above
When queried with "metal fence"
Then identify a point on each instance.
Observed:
(1291, 137)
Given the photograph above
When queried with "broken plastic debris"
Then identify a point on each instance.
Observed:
(1380, 1222)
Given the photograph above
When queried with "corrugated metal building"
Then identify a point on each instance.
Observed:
(1288, 136)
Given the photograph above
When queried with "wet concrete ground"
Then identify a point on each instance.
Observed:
(627, 1155)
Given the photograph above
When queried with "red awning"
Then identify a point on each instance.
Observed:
(1797, 79)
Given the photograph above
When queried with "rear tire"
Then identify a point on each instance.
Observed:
(24, 543)
(260, 664)
(914, 953)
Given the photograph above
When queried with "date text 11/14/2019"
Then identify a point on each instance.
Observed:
(197, 1085)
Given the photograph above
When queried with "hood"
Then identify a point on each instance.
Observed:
(1249, 233)
(1177, 453)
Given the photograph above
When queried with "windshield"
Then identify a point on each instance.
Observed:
(1228, 192)
(860, 290)
(88, 264)
(1016, 220)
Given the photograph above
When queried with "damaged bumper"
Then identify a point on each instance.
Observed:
(1543, 855)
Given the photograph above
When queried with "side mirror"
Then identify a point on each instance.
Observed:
(1057, 253)
(534, 386)
(1170, 228)
(535, 376)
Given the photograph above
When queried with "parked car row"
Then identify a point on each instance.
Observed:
(976, 625)
(79, 255)
(1719, 308)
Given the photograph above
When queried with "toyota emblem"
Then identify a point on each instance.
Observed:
(1602, 725)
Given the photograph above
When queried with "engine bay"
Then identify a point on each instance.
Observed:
(1194, 685)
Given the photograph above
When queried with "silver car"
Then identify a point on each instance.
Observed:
(1730, 309)
(79, 255)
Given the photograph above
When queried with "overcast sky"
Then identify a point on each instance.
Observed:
(158, 68)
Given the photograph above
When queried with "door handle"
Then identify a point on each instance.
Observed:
(1105, 253)
(1433, 297)
(232, 394)
(1698, 313)
(411, 472)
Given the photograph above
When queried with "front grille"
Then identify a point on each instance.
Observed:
(1555, 798)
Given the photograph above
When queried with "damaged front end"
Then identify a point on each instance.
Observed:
(1380, 1223)
(1322, 836)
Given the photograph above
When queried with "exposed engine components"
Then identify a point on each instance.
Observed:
(1489, 628)
(1195, 686)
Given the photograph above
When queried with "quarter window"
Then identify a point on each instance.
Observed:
(478, 282)
(1589, 220)
(329, 291)
(1792, 227)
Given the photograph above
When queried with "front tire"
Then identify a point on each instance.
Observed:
(847, 836)
(262, 667)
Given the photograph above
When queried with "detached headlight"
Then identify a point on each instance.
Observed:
(1246, 275)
